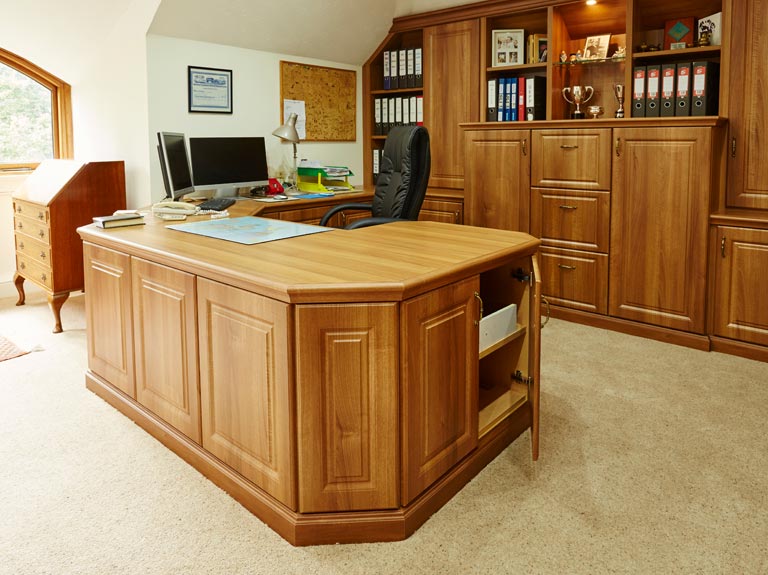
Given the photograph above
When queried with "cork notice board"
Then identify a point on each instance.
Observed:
(329, 98)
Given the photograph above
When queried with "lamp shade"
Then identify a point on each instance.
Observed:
(288, 131)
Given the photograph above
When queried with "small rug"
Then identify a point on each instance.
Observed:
(9, 350)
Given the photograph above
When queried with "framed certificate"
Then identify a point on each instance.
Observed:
(210, 90)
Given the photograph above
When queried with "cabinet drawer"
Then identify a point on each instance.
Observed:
(577, 158)
(32, 228)
(442, 211)
(34, 271)
(34, 250)
(29, 210)
(314, 214)
(571, 219)
(575, 279)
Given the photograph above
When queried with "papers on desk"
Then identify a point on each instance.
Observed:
(248, 230)
(328, 171)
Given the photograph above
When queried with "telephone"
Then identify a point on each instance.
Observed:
(275, 187)
(169, 207)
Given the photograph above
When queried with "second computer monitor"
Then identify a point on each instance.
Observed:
(174, 162)
(225, 164)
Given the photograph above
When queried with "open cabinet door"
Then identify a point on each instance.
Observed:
(535, 354)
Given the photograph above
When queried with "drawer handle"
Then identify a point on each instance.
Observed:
(43, 277)
(565, 267)
(21, 245)
(41, 233)
(20, 225)
(40, 215)
(567, 147)
(23, 266)
(18, 209)
(479, 299)
(564, 207)
(42, 255)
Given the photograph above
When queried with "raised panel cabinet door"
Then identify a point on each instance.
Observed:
(741, 265)
(246, 390)
(439, 354)
(659, 224)
(578, 159)
(451, 95)
(108, 316)
(747, 113)
(165, 338)
(498, 174)
(347, 388)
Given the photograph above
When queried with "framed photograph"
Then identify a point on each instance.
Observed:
(596, 47)
(508, 47)
(542, 49)
(210, 90)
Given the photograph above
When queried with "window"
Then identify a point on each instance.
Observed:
(35, 114)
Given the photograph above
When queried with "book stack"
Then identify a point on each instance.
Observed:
(119, 220)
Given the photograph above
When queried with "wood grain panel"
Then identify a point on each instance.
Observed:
(575, 279)
(109, 321)
(451, 95)
(497, 187)
(659, 223)
(579, 159)
(246, 392)
(347, 388)
(740, 272)
(440, 374)
(571, 219)
(165, 340)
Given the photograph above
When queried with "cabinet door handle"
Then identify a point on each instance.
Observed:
(565, 207)
(733, 147)
(479, 299)
(568, 147)
(618, 147)
(565, 267)
(722, 247)
(525, 146)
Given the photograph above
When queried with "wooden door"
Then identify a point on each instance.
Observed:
(439, 355)
(347, 390)
(747, 113)
(497, 187)
(165, 338)
(659, 221)
(246, 392)
(451, 95)
(740, 265)
(109, 321)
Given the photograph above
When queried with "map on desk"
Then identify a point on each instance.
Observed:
(248, 229)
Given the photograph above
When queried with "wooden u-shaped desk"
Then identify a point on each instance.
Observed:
(331, 383)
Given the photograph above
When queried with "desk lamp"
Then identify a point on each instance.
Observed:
(287, 133)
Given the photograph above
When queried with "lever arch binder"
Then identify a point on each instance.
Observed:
(683, 90)
(652, 90)
(667, 100)
(638, 92)
(704, 93)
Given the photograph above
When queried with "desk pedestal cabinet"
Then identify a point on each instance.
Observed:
(339, 396)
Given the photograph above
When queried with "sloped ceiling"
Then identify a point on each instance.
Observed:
(345, 31)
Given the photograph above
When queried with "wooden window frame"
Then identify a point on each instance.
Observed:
(61, 108)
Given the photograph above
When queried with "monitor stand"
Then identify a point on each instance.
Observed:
(226, 192)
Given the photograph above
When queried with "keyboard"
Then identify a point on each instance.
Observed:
(217, 204)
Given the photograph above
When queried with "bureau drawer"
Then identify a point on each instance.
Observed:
(33, 211)
(37, 251)
(574, 279)
(571, 219)
(34, 271)
(578, 158)
(32, 228)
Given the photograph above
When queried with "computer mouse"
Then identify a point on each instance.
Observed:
(280, 197)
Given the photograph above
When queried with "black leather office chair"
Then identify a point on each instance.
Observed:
(402, 181)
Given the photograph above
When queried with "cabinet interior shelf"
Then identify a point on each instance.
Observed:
(591, 62)
(519, 331)
(701, 51)
(497, 402)
(518, 67)
(394, 91)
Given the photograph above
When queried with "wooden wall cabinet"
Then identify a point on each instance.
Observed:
(57, 198)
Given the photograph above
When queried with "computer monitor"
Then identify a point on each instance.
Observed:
(174, 161)
(225, 164)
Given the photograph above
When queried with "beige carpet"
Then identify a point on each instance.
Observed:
(654, 459)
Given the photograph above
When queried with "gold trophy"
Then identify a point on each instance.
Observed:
(618, 91)
(578, 95)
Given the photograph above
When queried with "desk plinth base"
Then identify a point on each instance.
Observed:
(316, 528)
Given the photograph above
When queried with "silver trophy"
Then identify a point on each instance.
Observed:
(618, 91)
(580, 95)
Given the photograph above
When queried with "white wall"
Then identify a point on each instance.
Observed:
(255, 98)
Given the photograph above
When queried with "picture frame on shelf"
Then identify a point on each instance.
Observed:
(210, 90)
(542, 49)
(508, 47)
(710, 26)
(596, 47)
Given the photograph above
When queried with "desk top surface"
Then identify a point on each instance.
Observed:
(389, 262)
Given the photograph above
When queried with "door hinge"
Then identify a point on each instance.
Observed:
(518, 376)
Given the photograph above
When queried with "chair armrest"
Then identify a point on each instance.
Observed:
(340, 208)
(365, 222)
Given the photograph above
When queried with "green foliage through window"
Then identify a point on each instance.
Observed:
(26, 123)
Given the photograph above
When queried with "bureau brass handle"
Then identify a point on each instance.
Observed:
(18, 209)
(566, 147)
(564, 207)
(20, 226)
(23, 266)
(42, 255)
(565, 267)
(40, 215)
(41, 233)
(43, 277)
(21, 245)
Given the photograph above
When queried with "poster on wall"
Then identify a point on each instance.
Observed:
(210, 90)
